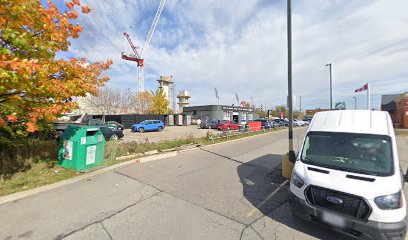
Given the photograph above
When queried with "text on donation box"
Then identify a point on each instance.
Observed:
(90, 154)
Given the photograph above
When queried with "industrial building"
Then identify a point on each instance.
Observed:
(397, 106)
(221, 112)
(312, 112)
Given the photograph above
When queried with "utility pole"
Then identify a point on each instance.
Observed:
(368, 97)
(292, 156)
(300, 103)
(265, 109)
(355, 102)
(331, 88)
(173, 97)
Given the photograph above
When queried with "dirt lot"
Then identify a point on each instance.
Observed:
(169, 133)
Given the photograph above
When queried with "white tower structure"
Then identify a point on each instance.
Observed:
(183, 100)
(167, 84)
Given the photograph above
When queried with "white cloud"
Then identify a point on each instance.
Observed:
(240, 46)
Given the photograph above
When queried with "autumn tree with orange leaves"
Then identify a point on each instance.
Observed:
(35, 86)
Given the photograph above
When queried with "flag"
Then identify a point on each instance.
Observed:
(236, 95)
(216, 94)
(363, 88)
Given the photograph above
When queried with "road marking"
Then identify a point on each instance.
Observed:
(266, 199)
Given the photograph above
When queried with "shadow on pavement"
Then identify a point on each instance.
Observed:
(266, 189)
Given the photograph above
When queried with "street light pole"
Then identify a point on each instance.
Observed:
(292, 156)
(331, 89)
(300, 103)
(265, 109)
(355, 102)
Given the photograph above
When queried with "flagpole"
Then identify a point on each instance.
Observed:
(368, 96)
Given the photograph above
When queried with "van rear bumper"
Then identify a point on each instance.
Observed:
(353, 227)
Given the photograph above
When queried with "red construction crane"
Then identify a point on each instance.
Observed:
(138, 57)
(132, 57)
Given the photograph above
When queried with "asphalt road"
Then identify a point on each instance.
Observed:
(227, 191)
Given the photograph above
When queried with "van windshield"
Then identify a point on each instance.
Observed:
(351, 152)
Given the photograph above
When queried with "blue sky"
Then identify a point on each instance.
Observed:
(240, 46)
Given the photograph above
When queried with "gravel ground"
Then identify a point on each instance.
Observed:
(169, 133)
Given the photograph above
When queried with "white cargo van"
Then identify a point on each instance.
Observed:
(347, 175)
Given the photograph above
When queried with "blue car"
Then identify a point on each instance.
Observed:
(148, 125)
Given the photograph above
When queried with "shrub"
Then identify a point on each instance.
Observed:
(18, 155)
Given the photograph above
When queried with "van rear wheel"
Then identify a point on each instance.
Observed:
(160, 129)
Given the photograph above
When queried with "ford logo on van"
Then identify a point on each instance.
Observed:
(334, 200)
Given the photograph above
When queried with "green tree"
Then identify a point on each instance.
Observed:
(276, 112)
(160, 104)
(143, 101)
(35, 86)
(298, 115)
(259, 112)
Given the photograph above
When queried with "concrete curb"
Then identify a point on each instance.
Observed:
(19, 195)
(125, 158)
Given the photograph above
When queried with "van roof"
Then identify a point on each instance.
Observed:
(353, 121)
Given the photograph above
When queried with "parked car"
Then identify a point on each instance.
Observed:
(301, 122)
(307, 119)
(297, 123)
(265, 123)
(61, 125)
(347, 175)
(275, 124)
(209, 124)
(111, 132)
(120, 126)
(281, 122)
(227, 125)
(213, 124)
(148, 125)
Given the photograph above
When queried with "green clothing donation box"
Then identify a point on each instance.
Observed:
(81, 147)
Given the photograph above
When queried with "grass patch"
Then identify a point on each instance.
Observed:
(40, 173)
(36, 173)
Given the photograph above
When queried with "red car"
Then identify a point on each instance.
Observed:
(227, 125)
